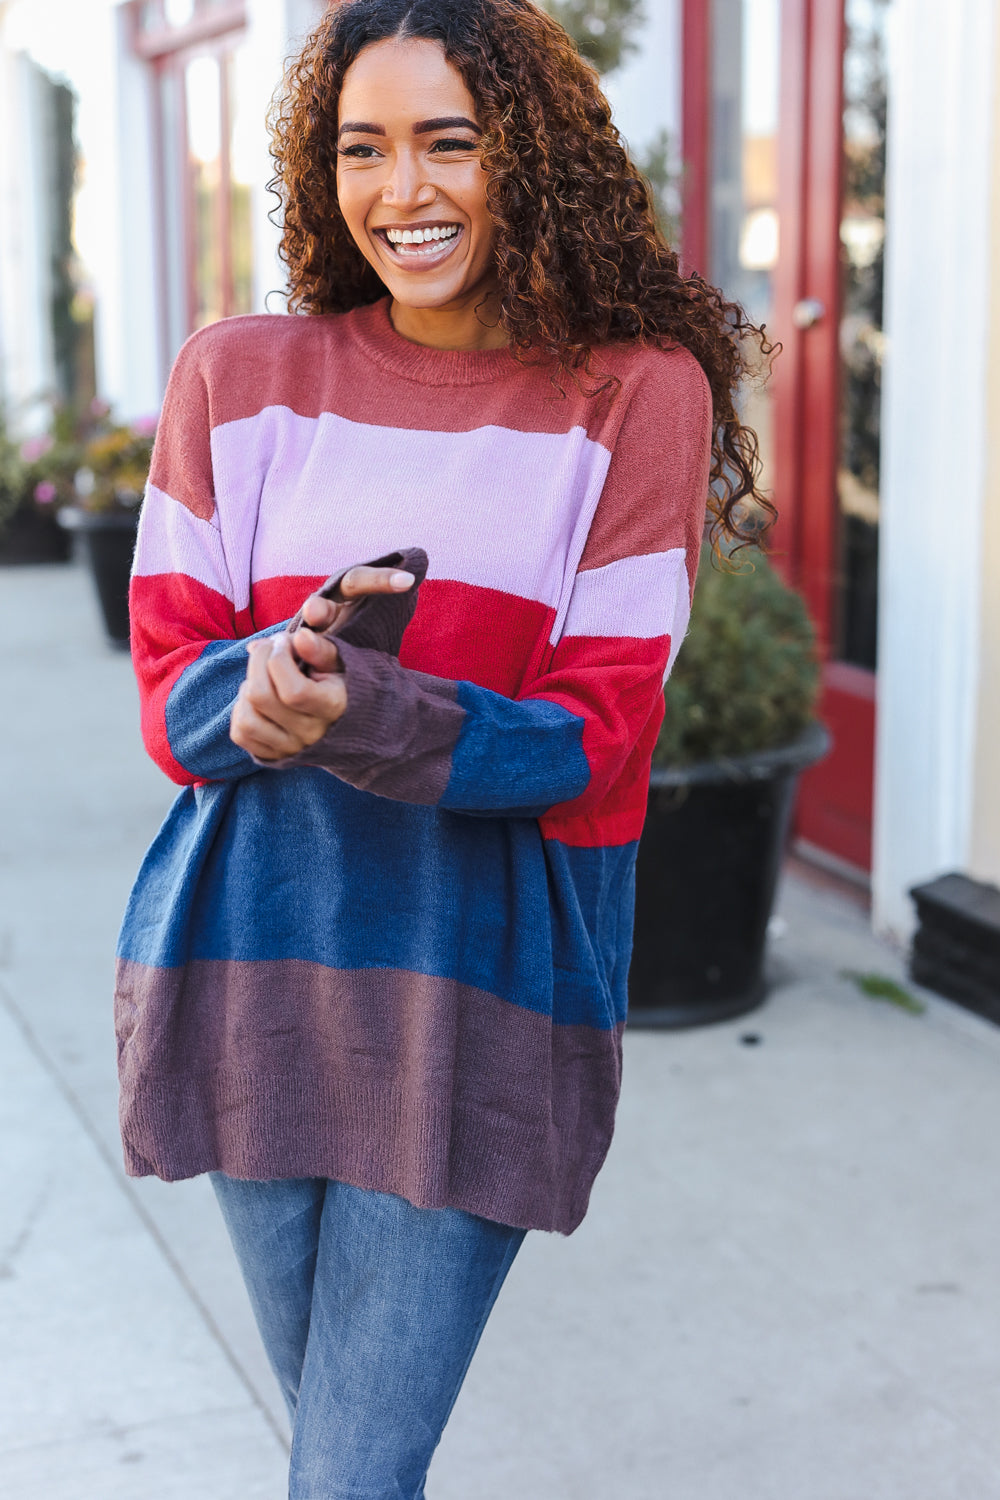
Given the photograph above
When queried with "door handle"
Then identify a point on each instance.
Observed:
(808, 312)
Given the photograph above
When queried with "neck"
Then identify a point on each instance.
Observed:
(472, 326)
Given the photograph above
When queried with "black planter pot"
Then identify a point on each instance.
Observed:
(33, 536)
(108, 542)
(706, 876)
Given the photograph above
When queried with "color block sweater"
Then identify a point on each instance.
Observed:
(401, 959)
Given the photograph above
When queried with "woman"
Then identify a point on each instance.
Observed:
(373, 973)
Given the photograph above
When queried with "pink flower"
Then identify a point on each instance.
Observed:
(45, 492)
(35, 448)
(145, 426)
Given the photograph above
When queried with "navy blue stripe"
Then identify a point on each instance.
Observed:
(199, 707)
(298, 865)
(515, 757)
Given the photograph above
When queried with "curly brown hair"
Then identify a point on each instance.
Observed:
(580, 260)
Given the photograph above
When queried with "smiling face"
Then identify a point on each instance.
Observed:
(410, 183)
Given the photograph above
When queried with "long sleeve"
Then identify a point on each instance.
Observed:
(559, 747)
(190, 620)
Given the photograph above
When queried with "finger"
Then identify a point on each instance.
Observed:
(303, 698)
(316, 651)
(258, 736)
(261, 697)
(258, 689)
(365, 580)
(319, 613)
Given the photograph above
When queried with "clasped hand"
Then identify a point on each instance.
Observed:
(279, 710)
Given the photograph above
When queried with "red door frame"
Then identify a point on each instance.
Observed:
(696, 134)
(835, 799)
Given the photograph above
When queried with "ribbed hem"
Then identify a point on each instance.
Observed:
(434, 1156)
(372, 331)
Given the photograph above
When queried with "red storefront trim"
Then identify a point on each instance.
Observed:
(696, 133)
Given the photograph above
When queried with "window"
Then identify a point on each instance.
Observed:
(205, 145)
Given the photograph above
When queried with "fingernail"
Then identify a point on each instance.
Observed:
(402, 580)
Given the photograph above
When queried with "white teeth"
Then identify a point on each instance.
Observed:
(421, 236)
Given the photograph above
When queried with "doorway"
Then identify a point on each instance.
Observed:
(784, 147)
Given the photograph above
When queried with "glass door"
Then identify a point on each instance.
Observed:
(837, 323)
(862, 342)
(743, 229)
(784, 150)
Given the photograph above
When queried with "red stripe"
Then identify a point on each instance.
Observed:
(619, 818)
(616, 684)
(173, 619)
(460, 631)
(472, 634)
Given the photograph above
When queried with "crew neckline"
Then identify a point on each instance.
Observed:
(379, 340)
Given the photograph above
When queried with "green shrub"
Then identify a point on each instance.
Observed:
(747, 677)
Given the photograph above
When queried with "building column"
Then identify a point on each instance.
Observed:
(984, 851)
(128, 330)
(27, 371)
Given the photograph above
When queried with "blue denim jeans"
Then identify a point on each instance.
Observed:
(370, 1311)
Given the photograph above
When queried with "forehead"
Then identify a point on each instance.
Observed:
(400, 81)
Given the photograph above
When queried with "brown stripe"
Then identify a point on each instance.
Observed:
(390, 1080)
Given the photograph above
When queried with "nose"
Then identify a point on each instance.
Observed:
(407, 186)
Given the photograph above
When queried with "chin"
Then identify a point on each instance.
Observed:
(424, 297)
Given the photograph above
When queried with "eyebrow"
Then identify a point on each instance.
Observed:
(445, 122)
(421, 127)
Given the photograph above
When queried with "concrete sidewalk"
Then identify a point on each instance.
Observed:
(787, 1288)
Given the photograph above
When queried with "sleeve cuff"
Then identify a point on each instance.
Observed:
(396, 735)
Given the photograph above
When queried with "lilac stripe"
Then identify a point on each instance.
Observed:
(492, 507)
(173, 540)
(642, 597)
(394, 1081)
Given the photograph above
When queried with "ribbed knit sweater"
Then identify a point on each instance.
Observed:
(401, 959)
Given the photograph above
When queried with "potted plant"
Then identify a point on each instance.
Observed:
(739, 728)
(36, 478)
(108, 487)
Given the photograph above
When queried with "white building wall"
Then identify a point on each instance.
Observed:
(984, 860)
(27, 365)
(935, 444)
(125, 275)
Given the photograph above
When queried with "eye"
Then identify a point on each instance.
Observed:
(453, 143)
(359, 151)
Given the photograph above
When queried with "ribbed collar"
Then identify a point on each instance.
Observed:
(371, 328)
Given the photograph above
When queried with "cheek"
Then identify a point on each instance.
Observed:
(474, 203)
(354, 208)
(345, 199)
